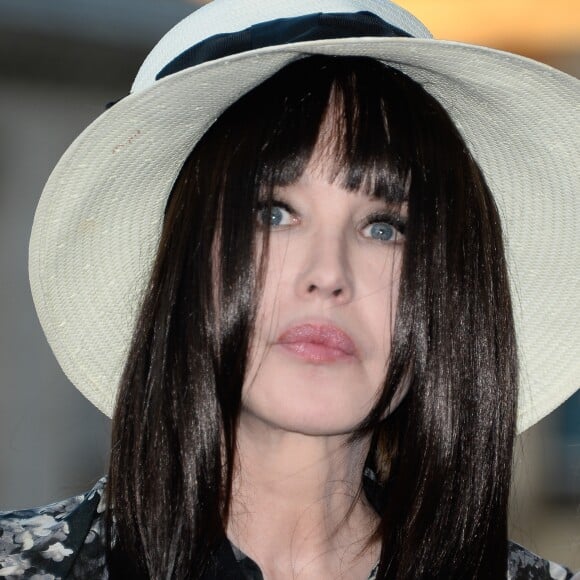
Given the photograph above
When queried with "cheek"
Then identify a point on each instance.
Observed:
(379, 279)
(280, 271)
(274, 287)
(385, 333)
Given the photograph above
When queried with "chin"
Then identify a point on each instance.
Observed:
(312, 399)
(319, 412)
(307, 426)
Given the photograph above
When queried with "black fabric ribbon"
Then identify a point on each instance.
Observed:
(318, 26)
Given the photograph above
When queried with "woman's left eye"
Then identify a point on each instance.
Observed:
(276, 216)
(382, 231)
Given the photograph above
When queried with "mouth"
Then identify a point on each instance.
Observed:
(318, 343)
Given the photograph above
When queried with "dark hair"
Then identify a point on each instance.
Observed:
(444, 455)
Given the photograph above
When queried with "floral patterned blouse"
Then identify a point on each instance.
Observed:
(66, 540)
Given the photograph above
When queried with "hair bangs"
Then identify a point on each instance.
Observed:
(320, 114)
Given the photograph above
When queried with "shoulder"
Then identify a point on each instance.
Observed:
(525, 565)
(46, 542)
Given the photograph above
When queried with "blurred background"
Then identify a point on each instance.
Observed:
(60, 63)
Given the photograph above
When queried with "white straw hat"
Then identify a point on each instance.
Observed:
(98, 222)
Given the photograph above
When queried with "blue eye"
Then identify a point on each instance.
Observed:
(380, 231)
(276, 216)
(384, 227)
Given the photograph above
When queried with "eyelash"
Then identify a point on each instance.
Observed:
(390, 218)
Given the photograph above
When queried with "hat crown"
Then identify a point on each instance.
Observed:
(230, 16)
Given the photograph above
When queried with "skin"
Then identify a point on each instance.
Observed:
(295, 507)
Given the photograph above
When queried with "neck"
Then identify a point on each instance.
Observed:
(297, 504)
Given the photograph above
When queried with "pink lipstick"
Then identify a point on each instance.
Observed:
(318, 343)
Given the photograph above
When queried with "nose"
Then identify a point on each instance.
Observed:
(326, 273)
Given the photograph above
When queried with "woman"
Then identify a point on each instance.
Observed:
(298, 263)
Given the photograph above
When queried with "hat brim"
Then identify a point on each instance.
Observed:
(97, 225)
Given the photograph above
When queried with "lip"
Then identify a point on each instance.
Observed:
(318, 343)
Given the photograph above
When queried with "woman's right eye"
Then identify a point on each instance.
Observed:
(277, 215)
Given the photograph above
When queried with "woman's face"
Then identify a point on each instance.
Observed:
(326, 315)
